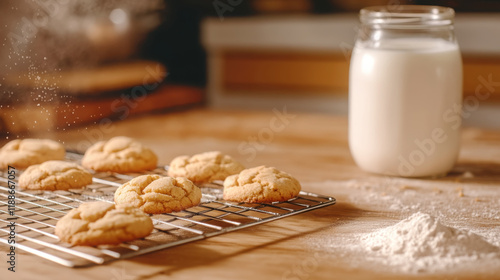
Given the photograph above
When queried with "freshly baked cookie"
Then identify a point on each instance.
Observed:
(55, 175)
(259, 185)
(155, 194)
(21, 153)
(98, 223)
(119, 154)
(205, 167)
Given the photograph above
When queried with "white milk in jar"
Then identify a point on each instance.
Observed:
(405, 97)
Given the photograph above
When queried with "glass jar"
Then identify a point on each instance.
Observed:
(405, 91)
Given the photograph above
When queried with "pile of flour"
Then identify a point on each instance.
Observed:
(421, 244)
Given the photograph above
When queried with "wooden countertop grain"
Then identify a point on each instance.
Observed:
(319, 244)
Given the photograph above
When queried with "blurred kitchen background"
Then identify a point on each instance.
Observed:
(68, 63)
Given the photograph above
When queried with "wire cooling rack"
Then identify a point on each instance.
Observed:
(37, 212)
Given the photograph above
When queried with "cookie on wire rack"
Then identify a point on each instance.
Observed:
(22, 153)
(205, 167)
(260, 184)
(103, 223)
(119, 154)
(155, 194)
(55, 175)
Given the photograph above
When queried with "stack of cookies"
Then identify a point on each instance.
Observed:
(97, 223)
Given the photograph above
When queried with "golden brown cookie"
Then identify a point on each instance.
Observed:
(205, 167)
(98, 223)
(261, 184)
(119, 154)
(21, 153)
(155, 194)
(55, 175)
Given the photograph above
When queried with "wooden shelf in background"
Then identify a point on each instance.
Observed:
(62, 114)
(320, 73)
(93, 81)
(480, 69)
(285, 71)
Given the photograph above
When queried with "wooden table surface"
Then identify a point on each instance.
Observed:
(320, 244)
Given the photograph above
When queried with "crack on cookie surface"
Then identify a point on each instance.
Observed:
(205, 167)
(96, 223)
(120, 154)
(22, 153)
(155, 194)
(55, 175)
(260, 184)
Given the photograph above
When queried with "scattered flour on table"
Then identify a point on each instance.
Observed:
(421, 243)
(471, 209)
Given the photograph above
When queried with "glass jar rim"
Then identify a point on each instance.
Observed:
(407, 16)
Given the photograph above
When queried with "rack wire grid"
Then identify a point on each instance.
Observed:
(37, 212)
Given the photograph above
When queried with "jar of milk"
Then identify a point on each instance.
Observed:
(405, 91)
